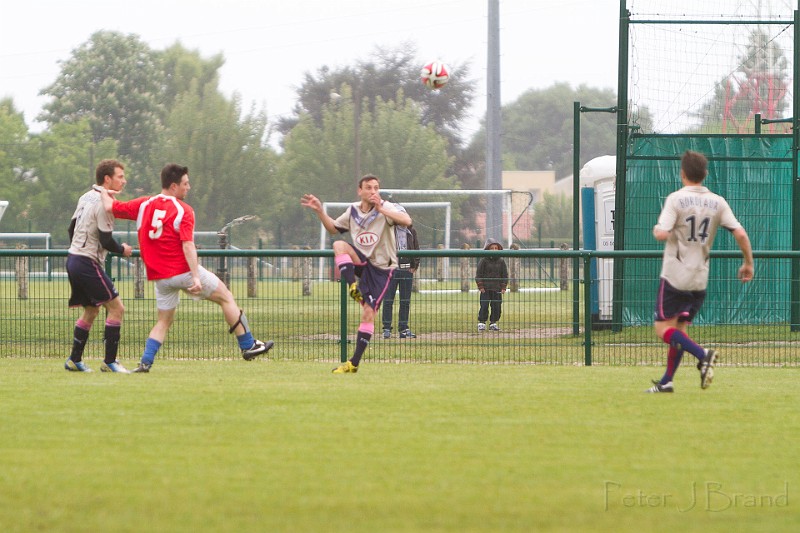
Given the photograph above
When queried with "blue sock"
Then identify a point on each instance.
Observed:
(674, 357)
(151, 347)
(681, 341)
(246, 340)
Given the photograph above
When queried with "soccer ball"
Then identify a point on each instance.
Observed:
(435, 75)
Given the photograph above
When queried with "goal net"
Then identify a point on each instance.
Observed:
(710, 66)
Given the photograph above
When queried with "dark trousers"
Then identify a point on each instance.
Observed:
(401, 279)
(493, 299)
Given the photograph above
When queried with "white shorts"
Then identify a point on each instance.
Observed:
(168, 290)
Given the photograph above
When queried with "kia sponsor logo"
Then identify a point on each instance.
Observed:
(367, 238)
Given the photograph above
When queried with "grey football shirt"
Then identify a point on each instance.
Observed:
(692, 215)
(90, 219)
(372, 233)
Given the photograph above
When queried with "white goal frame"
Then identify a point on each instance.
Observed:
(323, 233)
(505, 193)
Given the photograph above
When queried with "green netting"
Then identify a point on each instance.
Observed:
(754, 173)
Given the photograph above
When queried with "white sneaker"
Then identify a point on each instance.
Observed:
(658, 387)
(706, 367)
(114, 367)
(481, 326)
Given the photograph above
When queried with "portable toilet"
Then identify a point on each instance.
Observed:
(598, 189)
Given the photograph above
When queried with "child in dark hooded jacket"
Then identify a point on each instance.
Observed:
(492, 279)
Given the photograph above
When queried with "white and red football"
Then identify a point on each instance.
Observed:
(435, 75)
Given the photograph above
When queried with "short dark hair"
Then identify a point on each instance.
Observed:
(172, 173)
(694, 166)
(105, 168)
(368, 177)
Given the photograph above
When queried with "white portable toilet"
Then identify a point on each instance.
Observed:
(598, 196)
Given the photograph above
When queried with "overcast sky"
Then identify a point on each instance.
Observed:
(269, 44)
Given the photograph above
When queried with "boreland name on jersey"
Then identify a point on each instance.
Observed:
(698, 201)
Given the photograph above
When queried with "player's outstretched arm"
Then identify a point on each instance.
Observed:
(312, 202)
(746, 271)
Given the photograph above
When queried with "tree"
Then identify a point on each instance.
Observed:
(538, 129)
(553, 216)
(186, 70)
(54, 169)
(230, 163)
(114, 82)
(15, 169)
(378, 79)
(320, 158)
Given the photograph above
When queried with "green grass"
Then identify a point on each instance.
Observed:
(282, 446)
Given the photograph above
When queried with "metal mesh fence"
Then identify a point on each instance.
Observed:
(288, 298)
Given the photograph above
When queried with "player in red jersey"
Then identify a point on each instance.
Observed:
(165, 224)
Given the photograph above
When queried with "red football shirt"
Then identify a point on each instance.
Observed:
(163, 223)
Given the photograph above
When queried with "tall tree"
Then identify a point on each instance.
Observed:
(114, 82)
(538, 128)
(16, 171)
(378, 79)
(58, 167)
(230, 162)
(186, 70)
(553, 216)
(320, 158)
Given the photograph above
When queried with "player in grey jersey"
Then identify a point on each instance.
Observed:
(688, 223)
(90, 240)
(372, 257)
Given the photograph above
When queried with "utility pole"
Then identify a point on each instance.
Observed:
(494, 168)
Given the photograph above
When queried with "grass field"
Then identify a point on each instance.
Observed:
(286, 446)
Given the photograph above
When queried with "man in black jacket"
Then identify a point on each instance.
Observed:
(403, 279)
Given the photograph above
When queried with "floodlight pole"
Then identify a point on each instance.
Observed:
(494, 165)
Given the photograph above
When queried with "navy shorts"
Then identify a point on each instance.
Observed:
(373, 281)
(89, 282)
(672, 302)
